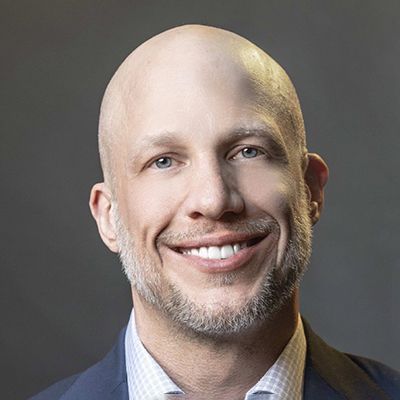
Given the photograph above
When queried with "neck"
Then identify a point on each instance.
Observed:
(224, 368)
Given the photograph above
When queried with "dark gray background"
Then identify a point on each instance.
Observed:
(63, 298)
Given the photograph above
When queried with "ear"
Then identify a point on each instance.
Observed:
(100, 206)
(316, 176)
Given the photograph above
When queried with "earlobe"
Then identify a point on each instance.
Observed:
(100, 206)
(316, 177)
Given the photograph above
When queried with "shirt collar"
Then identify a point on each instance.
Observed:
(148, 381)
(285, 378)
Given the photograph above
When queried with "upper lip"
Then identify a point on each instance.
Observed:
(219, 239)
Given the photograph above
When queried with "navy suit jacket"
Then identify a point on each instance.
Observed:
(329, 375)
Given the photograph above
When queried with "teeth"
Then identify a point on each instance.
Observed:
(227, 251)
(216, 252)
(203, 252)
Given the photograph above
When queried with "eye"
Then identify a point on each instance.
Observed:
(163, 162)
(250, 152)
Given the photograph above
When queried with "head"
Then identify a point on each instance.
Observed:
(209, 193)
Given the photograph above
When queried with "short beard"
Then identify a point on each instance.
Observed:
(275, 291)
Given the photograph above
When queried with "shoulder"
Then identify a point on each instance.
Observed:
(387, 378)
(345, 376)
(56, 390)
(97, 382)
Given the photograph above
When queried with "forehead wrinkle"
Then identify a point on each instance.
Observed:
(164, 138)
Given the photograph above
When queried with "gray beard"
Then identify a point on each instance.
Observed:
(275, 290)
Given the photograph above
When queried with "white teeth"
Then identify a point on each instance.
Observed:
(203, 252)
(226, 251)
(216, 252)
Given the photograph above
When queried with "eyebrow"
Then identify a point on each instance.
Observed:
(272, 137)
(276, 147)
(164, 138)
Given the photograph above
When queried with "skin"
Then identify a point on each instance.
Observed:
(197, 86)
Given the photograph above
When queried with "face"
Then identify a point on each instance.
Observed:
(210, 207)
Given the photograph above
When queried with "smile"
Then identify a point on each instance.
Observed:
(219, 252)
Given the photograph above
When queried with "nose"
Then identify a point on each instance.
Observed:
(212, 193)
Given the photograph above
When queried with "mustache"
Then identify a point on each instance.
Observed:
(259, 226)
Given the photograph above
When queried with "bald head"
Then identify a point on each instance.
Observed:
(192, 61)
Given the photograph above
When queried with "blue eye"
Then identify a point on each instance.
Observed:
(163, 162)
(249, 152)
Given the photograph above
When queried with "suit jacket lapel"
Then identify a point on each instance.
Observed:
(330, 374)
(106, 380)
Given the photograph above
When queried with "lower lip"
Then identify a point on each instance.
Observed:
(232, 263)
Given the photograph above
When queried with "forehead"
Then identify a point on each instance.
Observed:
(198, 91)
(191, 96)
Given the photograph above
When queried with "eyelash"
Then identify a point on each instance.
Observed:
(152, 164)
(260, 152)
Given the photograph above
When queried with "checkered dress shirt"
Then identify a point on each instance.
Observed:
(148, 381)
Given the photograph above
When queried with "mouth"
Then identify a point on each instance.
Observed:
(222, 252)
(219, 252)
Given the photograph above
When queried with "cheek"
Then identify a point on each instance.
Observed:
(150, 206)
(266, 190)
(271, 193)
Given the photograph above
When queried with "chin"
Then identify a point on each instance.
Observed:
(239, 309)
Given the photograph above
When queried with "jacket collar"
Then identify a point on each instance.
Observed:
(105, 380)
(330, 374)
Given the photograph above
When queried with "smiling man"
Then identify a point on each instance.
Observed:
(209, 197)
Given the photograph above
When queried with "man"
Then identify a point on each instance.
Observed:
(209, 197)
